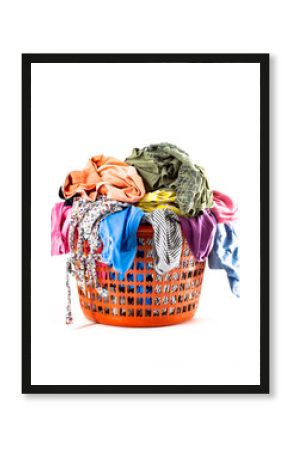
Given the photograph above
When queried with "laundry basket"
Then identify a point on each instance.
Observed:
(143, 298)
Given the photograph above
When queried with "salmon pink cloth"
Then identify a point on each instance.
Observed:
(224, 209)
(60, 222)
(105, 176)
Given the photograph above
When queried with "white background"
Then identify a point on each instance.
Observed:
(171, 421)
(212, 111)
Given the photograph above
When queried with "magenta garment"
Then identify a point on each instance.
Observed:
(199, 232)
(224, 209)
(60, 221)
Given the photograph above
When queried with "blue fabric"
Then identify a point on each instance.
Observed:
(118, 232)
(225, 255)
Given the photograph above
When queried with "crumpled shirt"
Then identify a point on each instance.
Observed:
(167, 166)
(105, 176)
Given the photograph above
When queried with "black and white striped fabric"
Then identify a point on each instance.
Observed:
(167, 239)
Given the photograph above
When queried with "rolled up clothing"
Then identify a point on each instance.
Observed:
(159, 199)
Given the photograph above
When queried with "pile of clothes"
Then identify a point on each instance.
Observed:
(104, 204)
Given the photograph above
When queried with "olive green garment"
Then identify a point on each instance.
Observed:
(167, 166)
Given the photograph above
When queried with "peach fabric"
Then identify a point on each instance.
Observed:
(105, 176)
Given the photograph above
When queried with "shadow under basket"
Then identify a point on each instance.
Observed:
(143, 298)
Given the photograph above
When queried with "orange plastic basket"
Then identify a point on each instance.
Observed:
(144, 298)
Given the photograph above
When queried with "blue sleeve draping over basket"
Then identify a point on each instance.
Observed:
(119, 235)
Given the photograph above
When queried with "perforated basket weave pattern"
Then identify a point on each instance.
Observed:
(144, 298)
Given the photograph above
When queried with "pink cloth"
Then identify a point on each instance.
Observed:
(225, 210)
(60, 221)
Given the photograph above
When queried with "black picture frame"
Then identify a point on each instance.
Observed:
(263, 60)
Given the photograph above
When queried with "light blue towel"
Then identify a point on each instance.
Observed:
(118, 232)
(225, 255)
